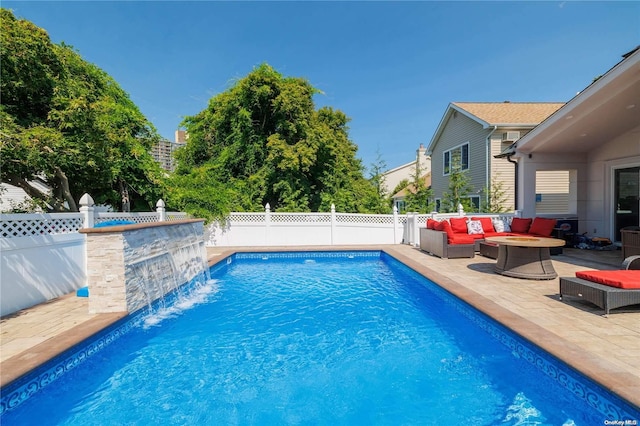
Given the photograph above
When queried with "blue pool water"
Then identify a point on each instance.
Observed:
(320, 338)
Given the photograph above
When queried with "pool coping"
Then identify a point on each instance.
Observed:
(590, 365)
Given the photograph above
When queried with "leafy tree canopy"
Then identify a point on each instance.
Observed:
(263, 141)
(67, 122)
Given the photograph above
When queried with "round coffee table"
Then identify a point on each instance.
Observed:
(525, 257)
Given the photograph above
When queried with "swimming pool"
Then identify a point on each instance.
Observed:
(324, 337)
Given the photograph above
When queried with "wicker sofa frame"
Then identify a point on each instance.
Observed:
(436, 243)
(603, 296)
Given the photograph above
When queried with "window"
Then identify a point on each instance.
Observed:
(457, 157)
(475, 200)
(437, 204)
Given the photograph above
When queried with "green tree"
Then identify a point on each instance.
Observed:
(264, 139)
(459, 188)
(496, 196)
(380, 202)
(68, 123)
(419, 196)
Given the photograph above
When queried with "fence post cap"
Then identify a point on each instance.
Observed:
(333, 207)
(267, 207)
(86, 201)
(160, 203)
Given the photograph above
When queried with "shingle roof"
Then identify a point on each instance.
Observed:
(497, 113)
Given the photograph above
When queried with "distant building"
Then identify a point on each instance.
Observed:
(407, 171)
(163, 151)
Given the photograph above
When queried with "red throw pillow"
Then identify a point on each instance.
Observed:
(487, 224)
(627, 279)
(520, 225)
(431, 224)
(542, 227)
(459, 225)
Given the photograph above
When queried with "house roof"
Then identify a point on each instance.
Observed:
(405, 191)
(510, 113)
(501, 114)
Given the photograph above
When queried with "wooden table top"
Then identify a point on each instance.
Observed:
(526, 241)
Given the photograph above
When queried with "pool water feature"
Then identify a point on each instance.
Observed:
(291, 338)
(131, 266)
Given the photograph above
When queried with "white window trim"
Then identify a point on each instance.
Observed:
(444, 172)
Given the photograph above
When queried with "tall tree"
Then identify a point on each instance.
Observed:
(496, 196)
(381, 202)
(68, 123)
(265, 141)
(419, 196)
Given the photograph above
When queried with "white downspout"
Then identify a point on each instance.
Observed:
(488, 156)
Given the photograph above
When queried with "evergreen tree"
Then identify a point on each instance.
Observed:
(496, 196)
(419, 196)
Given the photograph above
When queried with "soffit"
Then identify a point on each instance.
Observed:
(603, 111)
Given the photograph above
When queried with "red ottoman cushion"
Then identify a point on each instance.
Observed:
(627, 279)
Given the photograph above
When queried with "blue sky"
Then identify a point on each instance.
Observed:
(392, 67)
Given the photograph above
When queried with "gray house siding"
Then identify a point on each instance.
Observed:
(458, 130)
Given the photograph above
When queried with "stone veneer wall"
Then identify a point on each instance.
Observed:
(105, 273)
(130, 266)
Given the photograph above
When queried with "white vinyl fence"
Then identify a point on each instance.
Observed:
(298, 229)
(42, 256)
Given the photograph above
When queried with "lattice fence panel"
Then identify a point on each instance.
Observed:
(247, 217)
(171, 216)
(364, 219)
(28, 225)
(300, 218)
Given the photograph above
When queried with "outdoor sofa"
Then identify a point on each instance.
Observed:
(458, 237)
(606, 289)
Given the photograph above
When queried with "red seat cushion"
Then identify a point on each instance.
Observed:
(459, 225)
(542, 227)
(627, 279)
(431, 224)
(520, 225)
(487, 224)
(461, 239)
(475, 236)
